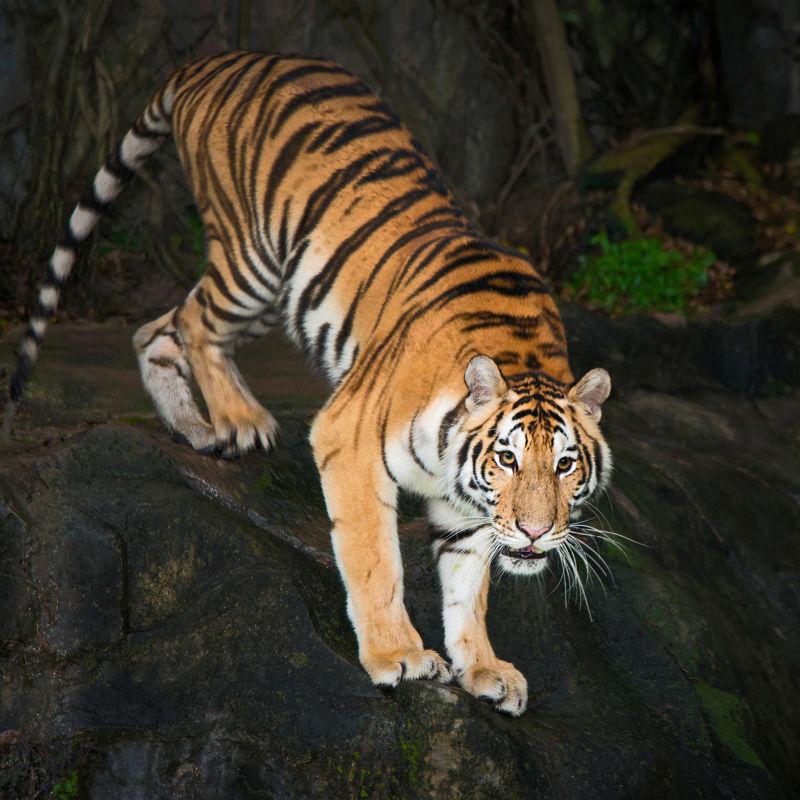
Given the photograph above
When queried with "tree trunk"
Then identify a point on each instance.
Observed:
(551, 40)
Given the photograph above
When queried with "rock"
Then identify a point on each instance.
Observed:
(15, 157)
(775, 284)
(655, 51)
(754, 355)
(713, 220)
(780, 146)
(780, 139)
(174, 626)
(755, 56)
(419, 56)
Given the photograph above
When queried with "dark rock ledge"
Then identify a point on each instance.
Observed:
(173, 626)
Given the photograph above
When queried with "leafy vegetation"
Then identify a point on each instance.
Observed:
(67, 788)
(640, 274)
(121, 239)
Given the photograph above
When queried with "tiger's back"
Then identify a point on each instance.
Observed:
(321, 208)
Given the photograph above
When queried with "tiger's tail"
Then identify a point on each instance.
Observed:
(145, 136)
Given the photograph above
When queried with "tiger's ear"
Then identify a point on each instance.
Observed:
(592, 390)
(484, 381)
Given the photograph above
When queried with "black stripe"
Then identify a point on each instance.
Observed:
(360, 129)
(384, 424)
(207, 322)
(222, 287)
(452, 537)
(325, 194)
(347, 327)
(448, 421)
(31, 334)
(283, 232)
(68, 240)
(280, 166)
(141, 130)
(451, 266)
(315, 96)
(414, 455)
(231, 316)
(321, 342)
(323, 137)
(20, 378)
(319, 286)
(92, 202)
(116, 166)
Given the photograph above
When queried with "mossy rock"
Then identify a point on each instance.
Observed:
(718, 222)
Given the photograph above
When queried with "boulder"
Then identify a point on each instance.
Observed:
(174, 626)
(711, 219)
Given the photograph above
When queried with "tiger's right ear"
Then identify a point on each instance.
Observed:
(592, 390)
(484, 381)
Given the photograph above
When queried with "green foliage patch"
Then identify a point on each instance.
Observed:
(725, 713)
(66, 788)
(639, 275)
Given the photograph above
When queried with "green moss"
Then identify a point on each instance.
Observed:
(724, 713)
(121, 239)
(638, 275)
(134, 419)
(298, 660)
(262, 482)
(66, 788)
(662, 605)
(412, 754)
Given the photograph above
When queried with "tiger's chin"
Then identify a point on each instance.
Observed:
(525, 561)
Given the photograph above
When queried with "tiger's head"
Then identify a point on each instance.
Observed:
(529, 453)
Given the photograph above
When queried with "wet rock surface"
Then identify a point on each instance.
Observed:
(173, 625)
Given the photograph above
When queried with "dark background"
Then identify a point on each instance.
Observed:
(172, 625)
(470, 78)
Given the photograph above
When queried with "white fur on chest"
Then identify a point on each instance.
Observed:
(413, 454)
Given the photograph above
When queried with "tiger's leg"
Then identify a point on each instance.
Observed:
(167, 378)
(464, 565)
(210, 323)
(256, 329)
(367, 552)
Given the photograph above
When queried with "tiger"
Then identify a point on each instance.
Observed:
(445, 351)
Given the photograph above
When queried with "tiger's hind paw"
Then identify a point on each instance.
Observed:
(236, 434)
(198, 435)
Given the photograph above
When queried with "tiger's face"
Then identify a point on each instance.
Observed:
(532, 453)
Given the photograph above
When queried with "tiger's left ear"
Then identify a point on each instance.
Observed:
(484, 381)
(592, 390)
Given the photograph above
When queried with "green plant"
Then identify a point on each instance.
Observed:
(66, 788)
(121, 239)
(636, 275)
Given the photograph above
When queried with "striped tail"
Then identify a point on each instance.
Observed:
(144, 138)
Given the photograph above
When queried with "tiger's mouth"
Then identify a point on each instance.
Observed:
(524, 553)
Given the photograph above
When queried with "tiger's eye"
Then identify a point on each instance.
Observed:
(507, 458)
(564, 463)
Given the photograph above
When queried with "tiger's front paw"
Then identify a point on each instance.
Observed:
(407, 665)
(500, 683)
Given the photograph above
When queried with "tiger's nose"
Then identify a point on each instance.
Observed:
(534, 532)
